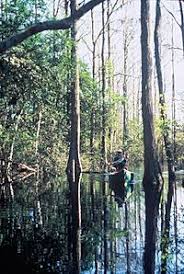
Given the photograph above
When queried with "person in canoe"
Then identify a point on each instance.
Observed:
(121, 180)
(120, 160)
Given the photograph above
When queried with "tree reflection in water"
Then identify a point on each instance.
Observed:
(38, 234)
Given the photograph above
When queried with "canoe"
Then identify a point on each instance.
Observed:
(121, 183)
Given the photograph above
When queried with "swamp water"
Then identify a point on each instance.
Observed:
(36, 234)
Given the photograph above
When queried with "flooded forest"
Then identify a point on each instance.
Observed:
(91, 136)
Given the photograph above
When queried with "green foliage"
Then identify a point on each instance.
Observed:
(135, 142)
(35, 77)
(180, 146)
(89, 94)
(19, 14)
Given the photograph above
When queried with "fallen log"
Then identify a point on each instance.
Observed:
(25, 168)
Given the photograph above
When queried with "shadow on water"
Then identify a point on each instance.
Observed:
(171, 224)
(74, 226)
(41, 230)
(116, 184)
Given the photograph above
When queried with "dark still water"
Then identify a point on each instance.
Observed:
(36, 235)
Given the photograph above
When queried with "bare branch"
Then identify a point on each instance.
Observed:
(112, 10)
(58, 7)
(182, 23)
(171, 15)
(65, 23)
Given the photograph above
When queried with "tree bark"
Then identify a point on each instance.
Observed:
(92, 126)
(109, 76)
(74, 165)
(167, 143)
(104, 152)
(168, 146)
(68, 75)
(66, 7)
(151, 180)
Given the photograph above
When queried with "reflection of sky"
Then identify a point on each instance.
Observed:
(136, 241)
(131, 14)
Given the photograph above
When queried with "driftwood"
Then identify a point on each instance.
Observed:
(20, 167)
(14, 171)
(25, 168)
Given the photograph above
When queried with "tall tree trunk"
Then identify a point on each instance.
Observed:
(74, 165)
(93, 72)
(125, 104)
(104, 152)
(173, 98)
(109, 43)
(167, 143)
(110, 76)
(68, 76)
(151, 180)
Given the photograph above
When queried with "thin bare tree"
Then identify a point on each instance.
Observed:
(152, 181)
(167, 142)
